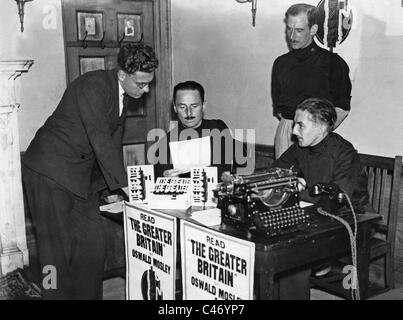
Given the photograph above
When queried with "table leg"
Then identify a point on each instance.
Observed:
(363, 255)
(267, 288)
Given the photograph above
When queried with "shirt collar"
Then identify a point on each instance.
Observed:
(302, 54)
(321, 146)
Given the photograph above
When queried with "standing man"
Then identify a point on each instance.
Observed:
(306, 71)
(75, 154)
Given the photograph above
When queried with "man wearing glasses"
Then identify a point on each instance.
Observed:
(75, 154)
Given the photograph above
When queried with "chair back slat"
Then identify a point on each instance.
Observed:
(371, 177)
(384, 177)
(377, 188)
(384, 197)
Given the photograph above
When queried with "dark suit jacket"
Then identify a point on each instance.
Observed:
(84, 132)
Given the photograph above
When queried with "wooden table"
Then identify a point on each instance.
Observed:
(325, 238)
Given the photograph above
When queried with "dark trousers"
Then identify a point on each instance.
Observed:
(70, 238)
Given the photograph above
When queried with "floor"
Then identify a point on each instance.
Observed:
(114, 289)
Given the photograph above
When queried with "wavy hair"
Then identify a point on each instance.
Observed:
(135, 57)
(321, 110)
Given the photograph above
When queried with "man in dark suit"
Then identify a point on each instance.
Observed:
(75, 154)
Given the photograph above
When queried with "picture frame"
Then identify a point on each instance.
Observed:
(91, 64)
(90, 25)
(129, 27)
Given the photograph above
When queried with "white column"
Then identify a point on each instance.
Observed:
(13, 243)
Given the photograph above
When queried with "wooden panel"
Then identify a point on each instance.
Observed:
(377, 161)
(110, 8)
(399, 241)
(135, 130)
(134, 154)
(74, 53)
(163, 75)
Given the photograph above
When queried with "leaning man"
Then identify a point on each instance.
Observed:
(75, 154)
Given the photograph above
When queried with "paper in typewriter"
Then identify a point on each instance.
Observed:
(190, 153)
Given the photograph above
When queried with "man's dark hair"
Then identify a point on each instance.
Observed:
(310, 11)
(321, 110)
(189, 85)
(135, 57)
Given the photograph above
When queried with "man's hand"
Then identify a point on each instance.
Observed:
(226, 176)
(174, 172)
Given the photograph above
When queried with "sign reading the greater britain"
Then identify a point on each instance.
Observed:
(215, 265)
(150, 238)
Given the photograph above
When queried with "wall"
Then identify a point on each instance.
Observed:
(42, 40)
(215, 43)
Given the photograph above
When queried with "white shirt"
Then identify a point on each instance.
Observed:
(121, 93)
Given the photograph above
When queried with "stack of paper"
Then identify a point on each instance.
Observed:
(208, 217)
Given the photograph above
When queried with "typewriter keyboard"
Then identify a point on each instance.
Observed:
(282, 220)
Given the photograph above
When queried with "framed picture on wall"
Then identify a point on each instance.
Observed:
(129, 27)
(90, 25)
(91, 64)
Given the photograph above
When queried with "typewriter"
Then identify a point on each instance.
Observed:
(266, 203)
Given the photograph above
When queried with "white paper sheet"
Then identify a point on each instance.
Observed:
(116, 207)
(190, 153)
(208, 217)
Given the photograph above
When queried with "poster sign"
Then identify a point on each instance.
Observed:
(150, 238)
(203, 182)
(170, 193)
(141, 182)
(215, 265)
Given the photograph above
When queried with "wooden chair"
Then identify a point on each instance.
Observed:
(384, 176)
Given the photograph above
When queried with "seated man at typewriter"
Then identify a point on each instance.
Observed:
(189, 105)
(321, 156)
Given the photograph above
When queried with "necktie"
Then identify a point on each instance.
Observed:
(126, 100)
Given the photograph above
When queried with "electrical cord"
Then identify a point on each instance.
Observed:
(355, 291)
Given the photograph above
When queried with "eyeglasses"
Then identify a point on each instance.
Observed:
(142, 85)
